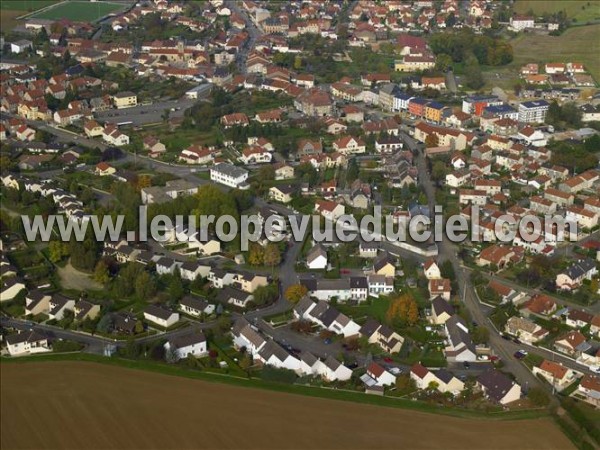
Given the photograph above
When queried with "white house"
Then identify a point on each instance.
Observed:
(498, 387)
(161, 316)
(335, 370)
(381, 376)
(317, 257)
(246, 336)
(27, 342)
(192, 344)
(229, 175)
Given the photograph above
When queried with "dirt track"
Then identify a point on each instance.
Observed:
(87, 405)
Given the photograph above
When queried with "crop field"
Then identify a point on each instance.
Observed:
(82, 11)
(580, 10)
(84, 405)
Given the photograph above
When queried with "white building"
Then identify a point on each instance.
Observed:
(229, 175)
(192, 344)
(533, 111)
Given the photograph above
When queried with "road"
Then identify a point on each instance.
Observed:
(253, 32)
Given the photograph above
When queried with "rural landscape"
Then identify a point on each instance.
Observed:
(304, 224)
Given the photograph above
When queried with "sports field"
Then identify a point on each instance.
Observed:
(88, 405)
(82, 11)
(580, 10)
(25, 5)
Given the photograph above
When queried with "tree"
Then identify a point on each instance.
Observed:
(538, 396)
(481, 335)
(438, 171)
(145, 286)
(473, 76)
(264, 295)
(57, 250)
(176, 288)
(255, 254)
(431, 140)
(101, 274)
(295, 292)
(139, 327)
(272, 255)
(443, 62)
(403, 310)
(165, 115)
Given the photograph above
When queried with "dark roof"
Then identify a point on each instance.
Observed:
(495, 383)
(439, 305)
(158, 311)
(26, 336)
(370, 327)
(187, 340)
(444, 375)
(359, 283)
(194, 302)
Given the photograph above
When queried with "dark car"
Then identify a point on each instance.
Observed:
(467, 365)
(506, 337)
(519, 355)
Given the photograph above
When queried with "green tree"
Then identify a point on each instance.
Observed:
(145, 286)
(101, 274)
(176, 288)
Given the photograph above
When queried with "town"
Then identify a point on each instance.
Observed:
(285, 109)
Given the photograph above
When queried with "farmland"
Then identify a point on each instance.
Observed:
(580, 10)
(155, 410)
(79, 11)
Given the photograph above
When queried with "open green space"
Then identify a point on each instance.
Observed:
(79, 11)
(25, 5)
(580, 10)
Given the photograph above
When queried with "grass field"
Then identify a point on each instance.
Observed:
(24, 6)
(79, 11)
(579, 44)
(581, 10)
(113, 407)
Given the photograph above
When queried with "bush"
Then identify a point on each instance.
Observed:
(278, 375)
(66, 346)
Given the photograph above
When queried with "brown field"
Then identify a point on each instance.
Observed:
(88, 405)
(8, 19)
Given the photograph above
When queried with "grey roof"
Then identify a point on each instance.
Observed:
(194, 302)
(229, 293)
(229, 170)
(370, 327)
(332, 363)
(308, 358)
(444, 375)
(271, 348)
(439, 306)
(158, 311)
(579, 268)
(359, 283)
(495, 383)
(319, 309)
(26, 336)
(456, 333)
(187, 340)
(243, 328)
(59, 302)
(303, 305)
(382, 260)
(83, 306)
(315, 252)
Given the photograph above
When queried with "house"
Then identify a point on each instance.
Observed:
(85, 310)
(104, 169)
(229, 175)
(230, 295)
(526, 330)
(307, 147)
(283, 171)
(554, 373)
(92, 128)
(577, 318)
(124, 322)
(431, 270)
(459, 346)
(195, 306)
(589, 390)
(27, 342)
(571, 278)
(349, 145)
(183, 346)
(316, 258)
(196, 154)
(282, 193)
(154, 147)
(540, 305)
(381, 376)
(112, 135)
(125, 99)
(441, 311)
(381, 335)
(497, 255)
(384, 264)
(247, 337)
(161, 315)
(330, 210)
(498, 387)
(272, 354)
(314, 102)
(335, 370)
(59, 305)
(368, 249)
(255, 154)
(380, 285)
(521, 22)
(20, 46)
(440, 380)
(235, 119)
(388, 144)
(37, 302)
(573, 343)
(440, 287)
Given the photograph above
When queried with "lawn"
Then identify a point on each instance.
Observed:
(22, 6)
(579, 10)
(79, 11)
